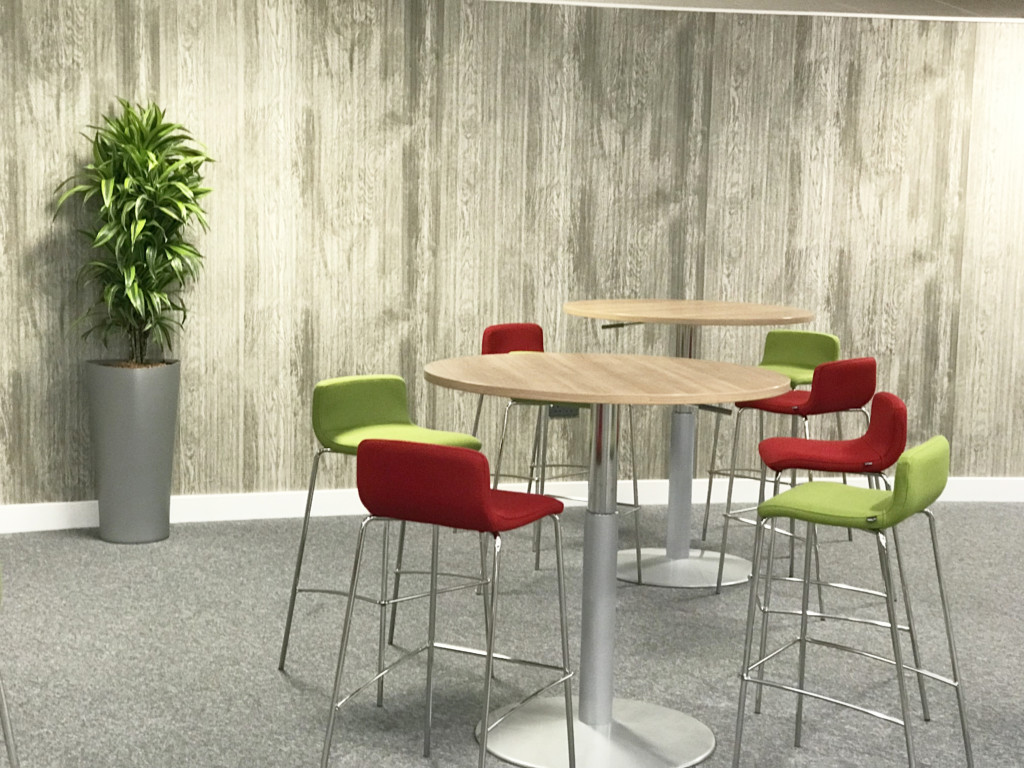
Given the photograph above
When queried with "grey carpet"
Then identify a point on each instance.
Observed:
(166, 654)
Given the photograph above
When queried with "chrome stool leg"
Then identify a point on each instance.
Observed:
(298, 558)
(501, 445)
(765, 612)
(804, 601)
(325, 756)
(894, 633)
(476, 419)
(956, 681)
(435, 535)
(711, 475)
(400, 559)
(564, 622)
(5, 724)
(911, 627)
(748, 637)
(382, 619)
(489, 665)
(540, 448)
(636, 497)
(728, 499)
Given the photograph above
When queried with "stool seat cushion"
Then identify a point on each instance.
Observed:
(781, 453)
(788, 402)
(349, 440)
(828, 503)
(511, 509)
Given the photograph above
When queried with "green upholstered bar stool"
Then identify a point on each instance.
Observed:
(346, 411)
(794, 354)
(5, 725)
(920, 478)
(797, 353)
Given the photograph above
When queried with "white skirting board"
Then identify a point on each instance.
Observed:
(52, 516)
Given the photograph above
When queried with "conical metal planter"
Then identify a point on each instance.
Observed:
(133, 414)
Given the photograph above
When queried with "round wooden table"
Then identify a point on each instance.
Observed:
(679, 565)
(610, 731)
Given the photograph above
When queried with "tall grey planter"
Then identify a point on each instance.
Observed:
(133, 414)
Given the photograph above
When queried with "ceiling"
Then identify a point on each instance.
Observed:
(938, 10)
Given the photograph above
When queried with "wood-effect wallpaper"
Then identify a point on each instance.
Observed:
(394, 175)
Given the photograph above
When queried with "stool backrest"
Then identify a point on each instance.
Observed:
(350, 402)
(843, 385)
(424, 483)
(512, 337)
(887, 429)
(794, 351)
(921, 475)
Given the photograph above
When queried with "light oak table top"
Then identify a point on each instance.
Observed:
(687, 312)
(603, 378)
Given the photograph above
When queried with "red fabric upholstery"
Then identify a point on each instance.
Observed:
(788, 402)
(843, 385)
(441, 485)
(875, 451)
(512, 337)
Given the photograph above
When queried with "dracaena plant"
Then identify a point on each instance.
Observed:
(142, 190)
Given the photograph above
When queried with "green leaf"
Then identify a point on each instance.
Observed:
(137, 227)
(77, 190)
(107, 189)
(105, 235)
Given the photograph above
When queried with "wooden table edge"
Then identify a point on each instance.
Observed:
(788, 315)
(781, 385)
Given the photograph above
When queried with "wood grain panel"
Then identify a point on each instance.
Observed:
(846, 185)
(883, 223)
(193, 38)
(989, 372)
(394, 175)
(58, 63)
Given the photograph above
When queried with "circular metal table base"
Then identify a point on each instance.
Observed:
(640, 736)
(699, 570)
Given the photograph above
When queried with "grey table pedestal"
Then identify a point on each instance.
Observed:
(609, 732)
(679, 565)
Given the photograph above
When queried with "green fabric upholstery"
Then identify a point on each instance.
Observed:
(350, 409)
(921, 475)
(797, 353)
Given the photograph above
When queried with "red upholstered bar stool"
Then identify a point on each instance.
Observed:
(507, 338)
(447, 487)
(794, 354)
(836, 387)
(871, 454)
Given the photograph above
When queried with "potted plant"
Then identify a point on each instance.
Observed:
(141, 192)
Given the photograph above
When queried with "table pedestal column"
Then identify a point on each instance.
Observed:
(679, 565)
(609, 732)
